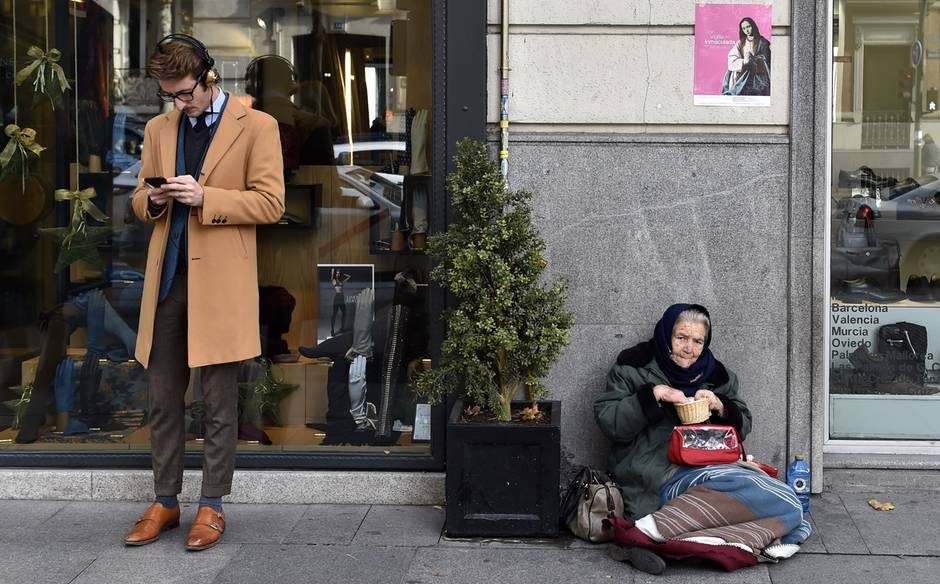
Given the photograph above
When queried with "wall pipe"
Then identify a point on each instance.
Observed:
(504, 94)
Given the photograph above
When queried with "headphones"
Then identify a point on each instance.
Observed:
(208, 76)
(253, 79)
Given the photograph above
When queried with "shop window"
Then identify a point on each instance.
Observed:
(343, 277)
(884, 255)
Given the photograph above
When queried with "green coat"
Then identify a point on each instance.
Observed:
(639, 427)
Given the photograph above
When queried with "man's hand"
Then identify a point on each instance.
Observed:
(159, 196)
(184, 189)
(714, 404)
(664, 393)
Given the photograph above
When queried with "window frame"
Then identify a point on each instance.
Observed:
(832, 445)
(459, 110)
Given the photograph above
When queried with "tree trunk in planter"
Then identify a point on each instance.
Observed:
(502, 478)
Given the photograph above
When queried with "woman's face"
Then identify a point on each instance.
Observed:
(688, 340)
(746, 28)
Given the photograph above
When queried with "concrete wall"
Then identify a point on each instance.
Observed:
(646, 200)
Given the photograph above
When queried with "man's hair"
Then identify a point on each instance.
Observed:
(175, 60)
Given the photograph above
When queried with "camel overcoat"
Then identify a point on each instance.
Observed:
(243, 182)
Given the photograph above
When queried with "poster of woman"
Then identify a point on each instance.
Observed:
(732, 54)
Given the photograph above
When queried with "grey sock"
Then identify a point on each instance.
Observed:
(213, 502)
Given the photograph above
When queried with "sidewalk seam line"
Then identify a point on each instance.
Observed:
(83, 570)
(852, 519)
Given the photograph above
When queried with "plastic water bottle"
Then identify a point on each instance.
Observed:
(799, 480)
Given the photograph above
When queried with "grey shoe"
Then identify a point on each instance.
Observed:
(642, 559)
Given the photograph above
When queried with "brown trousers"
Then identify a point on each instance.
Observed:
(169, 378)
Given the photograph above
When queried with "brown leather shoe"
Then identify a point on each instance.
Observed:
(206, 530)
(155, 520)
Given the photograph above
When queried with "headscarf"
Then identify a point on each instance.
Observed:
(687, 380)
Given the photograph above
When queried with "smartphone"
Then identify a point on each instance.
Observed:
(155, 181)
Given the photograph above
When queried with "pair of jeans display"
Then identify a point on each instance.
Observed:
(108, 315)
(406, 339)
(359, 352)
(414, 206)
(398, 318)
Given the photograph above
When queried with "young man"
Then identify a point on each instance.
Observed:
(222, 171)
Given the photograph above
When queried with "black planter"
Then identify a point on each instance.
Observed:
(502, 478)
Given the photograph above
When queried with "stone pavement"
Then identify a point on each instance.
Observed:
(80, 542)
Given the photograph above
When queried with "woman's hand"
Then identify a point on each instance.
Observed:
(714, 404)
(664, 393)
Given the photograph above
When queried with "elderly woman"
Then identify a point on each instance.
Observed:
(730, 514)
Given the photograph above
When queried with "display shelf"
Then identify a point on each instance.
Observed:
(403, 252)
(285, 438)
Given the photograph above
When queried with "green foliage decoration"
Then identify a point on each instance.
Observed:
(507, 328)
(259, 400)
(20, 404)
(79, 241)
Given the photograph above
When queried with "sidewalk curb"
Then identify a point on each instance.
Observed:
(248, 486)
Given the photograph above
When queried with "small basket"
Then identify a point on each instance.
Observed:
(694, 412)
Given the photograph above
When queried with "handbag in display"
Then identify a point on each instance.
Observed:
(904, 347)
(705, 444)
(879, 264)
(591, 497)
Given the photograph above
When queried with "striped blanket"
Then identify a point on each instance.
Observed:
(729, 504)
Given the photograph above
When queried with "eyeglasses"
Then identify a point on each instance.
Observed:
(180, 95)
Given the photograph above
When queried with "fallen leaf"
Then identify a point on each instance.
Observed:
(531, 413)
(879, 506)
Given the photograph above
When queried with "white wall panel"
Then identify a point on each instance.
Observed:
(618, 79)
(610, 12)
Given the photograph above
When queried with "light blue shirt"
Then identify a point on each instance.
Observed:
(212, 114)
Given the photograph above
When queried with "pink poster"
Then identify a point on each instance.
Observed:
(732, 54)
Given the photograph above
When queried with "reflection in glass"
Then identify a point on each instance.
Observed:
(885, 221)
(350, 88)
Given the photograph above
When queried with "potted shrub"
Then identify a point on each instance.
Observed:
(504, 332)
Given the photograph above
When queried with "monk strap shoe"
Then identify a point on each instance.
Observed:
(155, 520)
(207, 529)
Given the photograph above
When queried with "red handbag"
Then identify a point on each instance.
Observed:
(705, 444)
